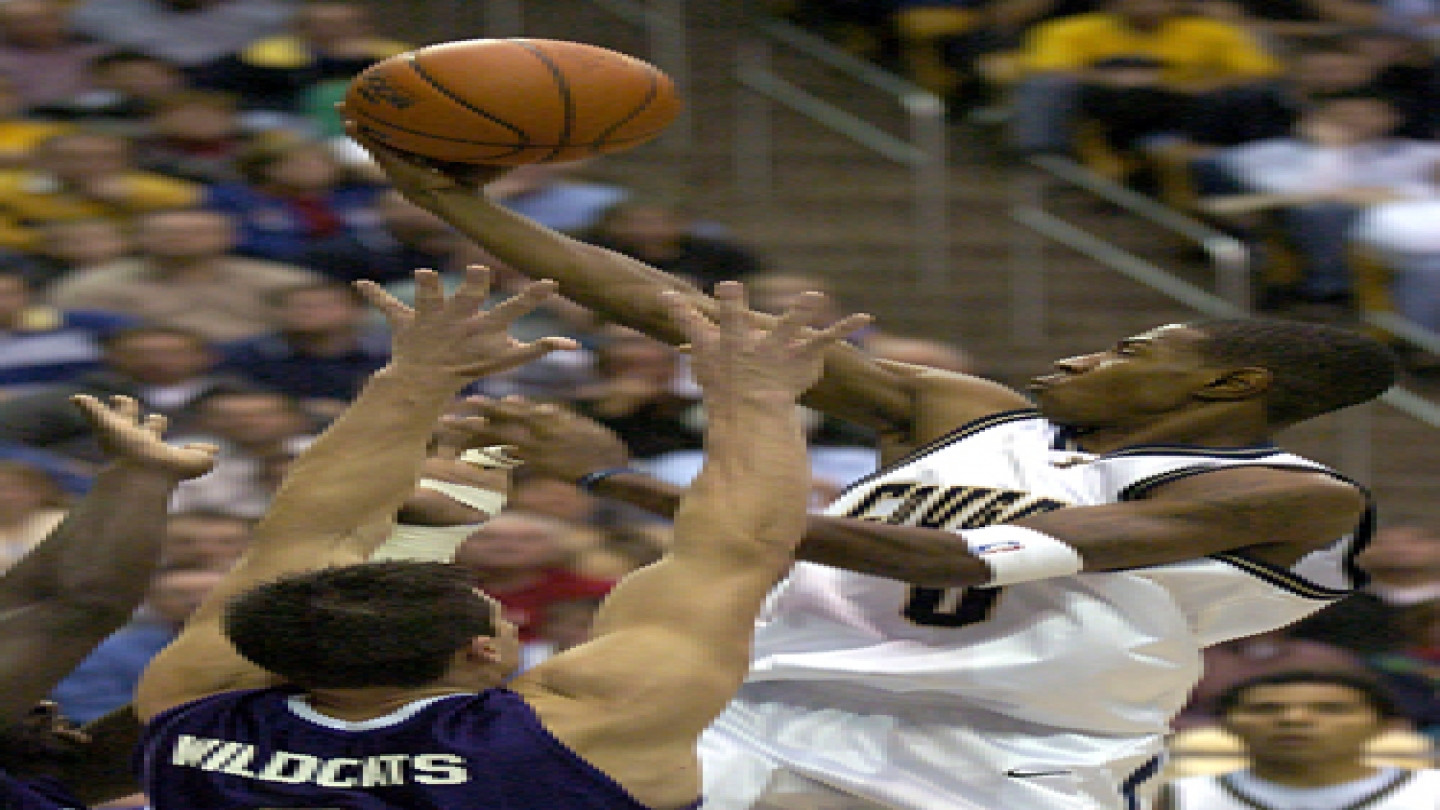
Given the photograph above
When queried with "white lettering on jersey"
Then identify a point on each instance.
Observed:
(189, 751)
(234, 758)
(444, 769)
(276, 769)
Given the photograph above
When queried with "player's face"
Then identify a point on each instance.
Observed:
(1138, 380)
(1304, 722)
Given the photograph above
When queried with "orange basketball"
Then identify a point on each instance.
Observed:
(512, 101)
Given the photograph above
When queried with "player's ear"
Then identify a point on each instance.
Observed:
(1247, 382)
(483, 649)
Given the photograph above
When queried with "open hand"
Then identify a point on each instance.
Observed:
(731, 355)
(455, 337)
(555, 442)
(129, 439)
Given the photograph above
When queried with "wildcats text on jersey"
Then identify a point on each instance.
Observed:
(286, 767)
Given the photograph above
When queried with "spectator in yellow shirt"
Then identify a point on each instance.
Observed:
(81, 175)
(1132, 65)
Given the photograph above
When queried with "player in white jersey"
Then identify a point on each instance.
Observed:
(961, 659)
(1305, 734)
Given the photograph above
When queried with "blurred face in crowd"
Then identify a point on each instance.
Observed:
(1363, 118)
(14, 298)
(83, 158)
(1145, 14)
(1332, 71)
(311, 169)
(1303, 723)
(324, 23)
(645, 225)
(1401, 551)
(637, 357)
(174, 595)
(205, 541)
(513, 542)
(185, 235)
(319, 311)
(33, 23)
(252, 419)
(196, 121)
(146, 79)
(159, 358)
(85, 242)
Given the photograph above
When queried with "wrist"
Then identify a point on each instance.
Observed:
(591, 480)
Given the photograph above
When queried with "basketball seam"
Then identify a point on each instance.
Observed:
(357, 111)
(650, 96)
(567, 101)
(414, 62)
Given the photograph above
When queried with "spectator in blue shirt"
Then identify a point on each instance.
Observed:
(41, 345)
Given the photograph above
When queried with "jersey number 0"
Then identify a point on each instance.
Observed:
(939, 607)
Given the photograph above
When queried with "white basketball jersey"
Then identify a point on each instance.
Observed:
(1390, 790)
(1102, 653)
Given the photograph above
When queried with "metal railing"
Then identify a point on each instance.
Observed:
(924, 151)
(1228, 256)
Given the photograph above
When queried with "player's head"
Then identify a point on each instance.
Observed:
(386, 624)
(41, 741)
(1283, 372)
(1305, 717)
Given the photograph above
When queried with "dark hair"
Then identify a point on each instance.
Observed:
(1316, 368)
(1374, 694)
(372, 624)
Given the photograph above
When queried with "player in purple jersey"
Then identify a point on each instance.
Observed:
(69, 593)
(393, 669)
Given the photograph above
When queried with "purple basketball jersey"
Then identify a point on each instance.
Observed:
(35, 794)
(267, 749)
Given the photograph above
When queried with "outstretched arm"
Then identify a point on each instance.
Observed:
(87, 577)
(853, 386)
(337, 501)
(671, 643)
(1276, 515)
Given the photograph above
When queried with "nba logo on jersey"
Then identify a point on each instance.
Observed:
(996, 548)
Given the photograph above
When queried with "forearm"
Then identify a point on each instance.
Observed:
(756, 475)
(929, 557)
(105, 549)
(365, 464)
(610, 283)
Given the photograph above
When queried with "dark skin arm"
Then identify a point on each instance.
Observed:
(90, 573)
(1293, 511)
(854, 387)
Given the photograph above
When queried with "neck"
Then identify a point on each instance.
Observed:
(374, 701)
(507, 581)
(1219, 428)
(1312, 775)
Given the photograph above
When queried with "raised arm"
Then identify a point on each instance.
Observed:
(338, 499)
(853, 386)
(87, 577)
(671, 643)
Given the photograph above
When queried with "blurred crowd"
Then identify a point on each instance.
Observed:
(181, 217)
(1307, 127)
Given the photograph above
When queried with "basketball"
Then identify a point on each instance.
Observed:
(511, 101)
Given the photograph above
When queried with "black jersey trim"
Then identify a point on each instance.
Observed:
(1274, 574)
(964, 431)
